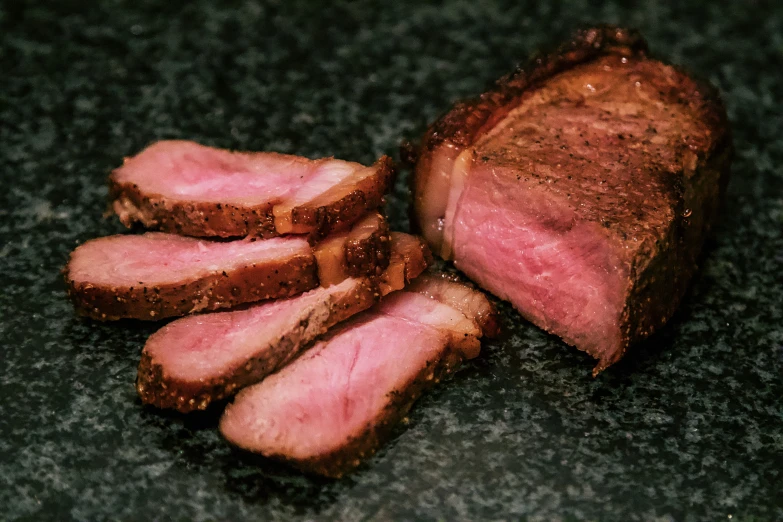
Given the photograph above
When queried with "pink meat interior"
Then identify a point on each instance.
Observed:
(207, 346)
(419, 308)
(158, 258)
(183, 170)
(319, 402)
(553, 205)
(328, 174)
(524, 248)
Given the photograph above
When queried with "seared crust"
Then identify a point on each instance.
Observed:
(362, 251)
(339, 462)
(661, 280)
(281, 278)
(409, 257)
(189, 218)
(333, 211)
(659, 276)
(471, 118)
(163, 391)
(367, 252)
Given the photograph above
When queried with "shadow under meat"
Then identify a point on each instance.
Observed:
(260, 480)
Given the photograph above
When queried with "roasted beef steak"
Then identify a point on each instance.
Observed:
(363, 250)
(187, 188)
(198, 359)
(449, 290)
(158, 275)
(580, 188)
(335, 405)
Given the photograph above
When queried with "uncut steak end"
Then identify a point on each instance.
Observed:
(580, 188)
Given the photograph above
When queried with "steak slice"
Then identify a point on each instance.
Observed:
(335, 405)
(199, 359)
(448, 289)
(158, 275)
(363, 250)
(187, 188)
(580, 188)
(409, 258)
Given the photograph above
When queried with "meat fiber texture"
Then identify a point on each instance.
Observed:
(186, 188)
(196, 360)
(158, 275)
(333, 407)
(580, 188)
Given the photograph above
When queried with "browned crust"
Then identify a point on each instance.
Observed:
(189, 218)
(339, 462)
(282, 278)
(363, 251)
(368, 252)
(163, 391)
(659, 286)
(660, 280)
(410, 256)
(341, 206)
(334, 211)
(471, 118)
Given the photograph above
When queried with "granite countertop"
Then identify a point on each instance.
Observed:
(687, 427)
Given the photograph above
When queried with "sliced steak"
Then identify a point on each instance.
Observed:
(580, 188)
(448, 289)
(409, 258)
(335, 405)
(158, 275)
(191, 189)
(363, 250)
(199, 359)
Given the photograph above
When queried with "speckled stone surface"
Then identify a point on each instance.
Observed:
(688, 427)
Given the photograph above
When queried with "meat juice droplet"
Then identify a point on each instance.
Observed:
(687, 212)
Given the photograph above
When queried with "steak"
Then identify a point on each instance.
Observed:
(335, 405)
(186, 188)
(363, 250)
(199, 359)
(580, 188)
(409, 257)
(447, 289)
(158, 275)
